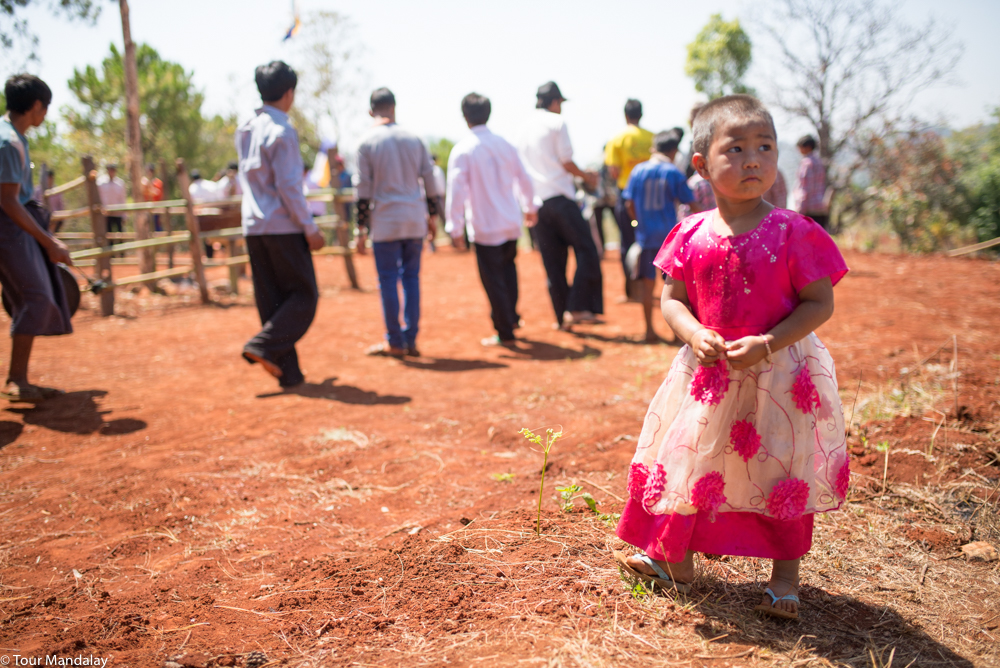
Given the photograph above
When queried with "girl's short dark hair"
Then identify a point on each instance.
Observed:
(476, 109)
(274, 80)
(23, 90)
(808, 141)
(710, 116)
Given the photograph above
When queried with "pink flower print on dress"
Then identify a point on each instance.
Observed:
(707, 493)
(804, 392)
(710, 383)
(655, 484)
(637, 475)
(843, 479)
(745, 439)
(788, 499)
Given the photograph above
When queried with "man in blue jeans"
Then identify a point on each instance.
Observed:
(391, 164)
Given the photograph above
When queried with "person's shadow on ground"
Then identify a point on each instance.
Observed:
(450, 365)
(548, 352)
(346, 394)
(71, 413)
(638, 340)
(841, 629)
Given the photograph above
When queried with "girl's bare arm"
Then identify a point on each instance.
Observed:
(707, 345)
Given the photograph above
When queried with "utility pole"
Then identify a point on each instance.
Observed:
(133, 137)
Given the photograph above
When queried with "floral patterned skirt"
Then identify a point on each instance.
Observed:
(736, 462)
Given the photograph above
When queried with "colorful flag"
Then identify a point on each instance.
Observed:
(294, 30)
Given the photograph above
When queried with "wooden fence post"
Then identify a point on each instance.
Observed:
(168, 226)
(343, 234)
(195, 245)
(99, 224)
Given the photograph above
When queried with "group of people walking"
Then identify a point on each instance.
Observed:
(744, 441)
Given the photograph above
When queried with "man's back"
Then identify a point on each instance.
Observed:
(545, 147)
(270, 175)
(626, 150)
(654, 188)
(485, 172)
(391, 163)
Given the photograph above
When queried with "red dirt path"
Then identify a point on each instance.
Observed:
(175, 502)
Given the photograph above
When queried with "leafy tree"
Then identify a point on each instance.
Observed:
(719, 57)
(916, 188)
(850, 68)
(442, 149)
(170, 114)
(977, 151)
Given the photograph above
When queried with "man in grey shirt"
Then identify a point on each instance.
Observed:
(279, 230)
(391, 164)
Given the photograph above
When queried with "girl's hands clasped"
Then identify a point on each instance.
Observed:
(708, 346)
(745, 352)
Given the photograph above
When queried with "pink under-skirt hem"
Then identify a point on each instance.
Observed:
(668, 537)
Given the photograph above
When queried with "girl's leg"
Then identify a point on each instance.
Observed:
(784, 580)
(682, 571)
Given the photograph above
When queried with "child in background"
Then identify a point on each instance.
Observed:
(651, 196)
(744, 441)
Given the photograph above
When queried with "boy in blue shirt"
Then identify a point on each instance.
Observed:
(651, 196)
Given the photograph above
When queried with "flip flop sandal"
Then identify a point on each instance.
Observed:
(664, 582)
(412, 352)
(778, 612)
(385, 350)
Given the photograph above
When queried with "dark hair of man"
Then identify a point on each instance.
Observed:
(545, 101)
(666, 142)
(476, 109)
(274, 80)
(807, 141)
(382, 99)
(680, 133)
(23, 90)
(731, 107)
(233, 165)
(633, 110)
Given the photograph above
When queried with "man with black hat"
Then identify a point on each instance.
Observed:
(547, 155)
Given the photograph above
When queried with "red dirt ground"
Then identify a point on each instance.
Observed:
(174, 502)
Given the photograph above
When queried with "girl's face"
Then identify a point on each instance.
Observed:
(742, 160)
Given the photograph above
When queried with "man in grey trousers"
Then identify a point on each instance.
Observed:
(279, 230)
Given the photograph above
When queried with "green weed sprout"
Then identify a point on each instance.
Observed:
(550, 439)
(503, 477)
(571, 492)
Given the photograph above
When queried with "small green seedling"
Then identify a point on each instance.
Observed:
(550, 439)
(570, 493)
(503, 477)
(884, 447)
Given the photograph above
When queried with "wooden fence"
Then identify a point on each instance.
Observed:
(203, 221)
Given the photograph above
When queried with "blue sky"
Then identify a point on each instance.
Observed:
(433, 52)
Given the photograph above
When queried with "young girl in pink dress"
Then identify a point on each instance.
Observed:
(744, 441)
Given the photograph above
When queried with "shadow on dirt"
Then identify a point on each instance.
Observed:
(627, 340)
(75, 413)
(837, 628)
(549, 352)
(346, 394)
(450, 365)
(9, 431)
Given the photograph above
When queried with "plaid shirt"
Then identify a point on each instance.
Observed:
(811, 189)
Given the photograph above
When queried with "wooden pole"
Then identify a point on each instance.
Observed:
(99, 224)
(343, 236)
(133, 137)
(184, 184)
(168, 226)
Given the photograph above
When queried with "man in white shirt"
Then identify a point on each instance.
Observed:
(202, 190)
(548, 157)
(112, 192)
(489, 192)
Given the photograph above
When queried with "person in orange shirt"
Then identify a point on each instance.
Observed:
(152, 191)
(626, 150)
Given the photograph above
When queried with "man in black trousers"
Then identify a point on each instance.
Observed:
(279, 230)
(489, 193)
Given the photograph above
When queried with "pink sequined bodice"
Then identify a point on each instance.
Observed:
(746, 284)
